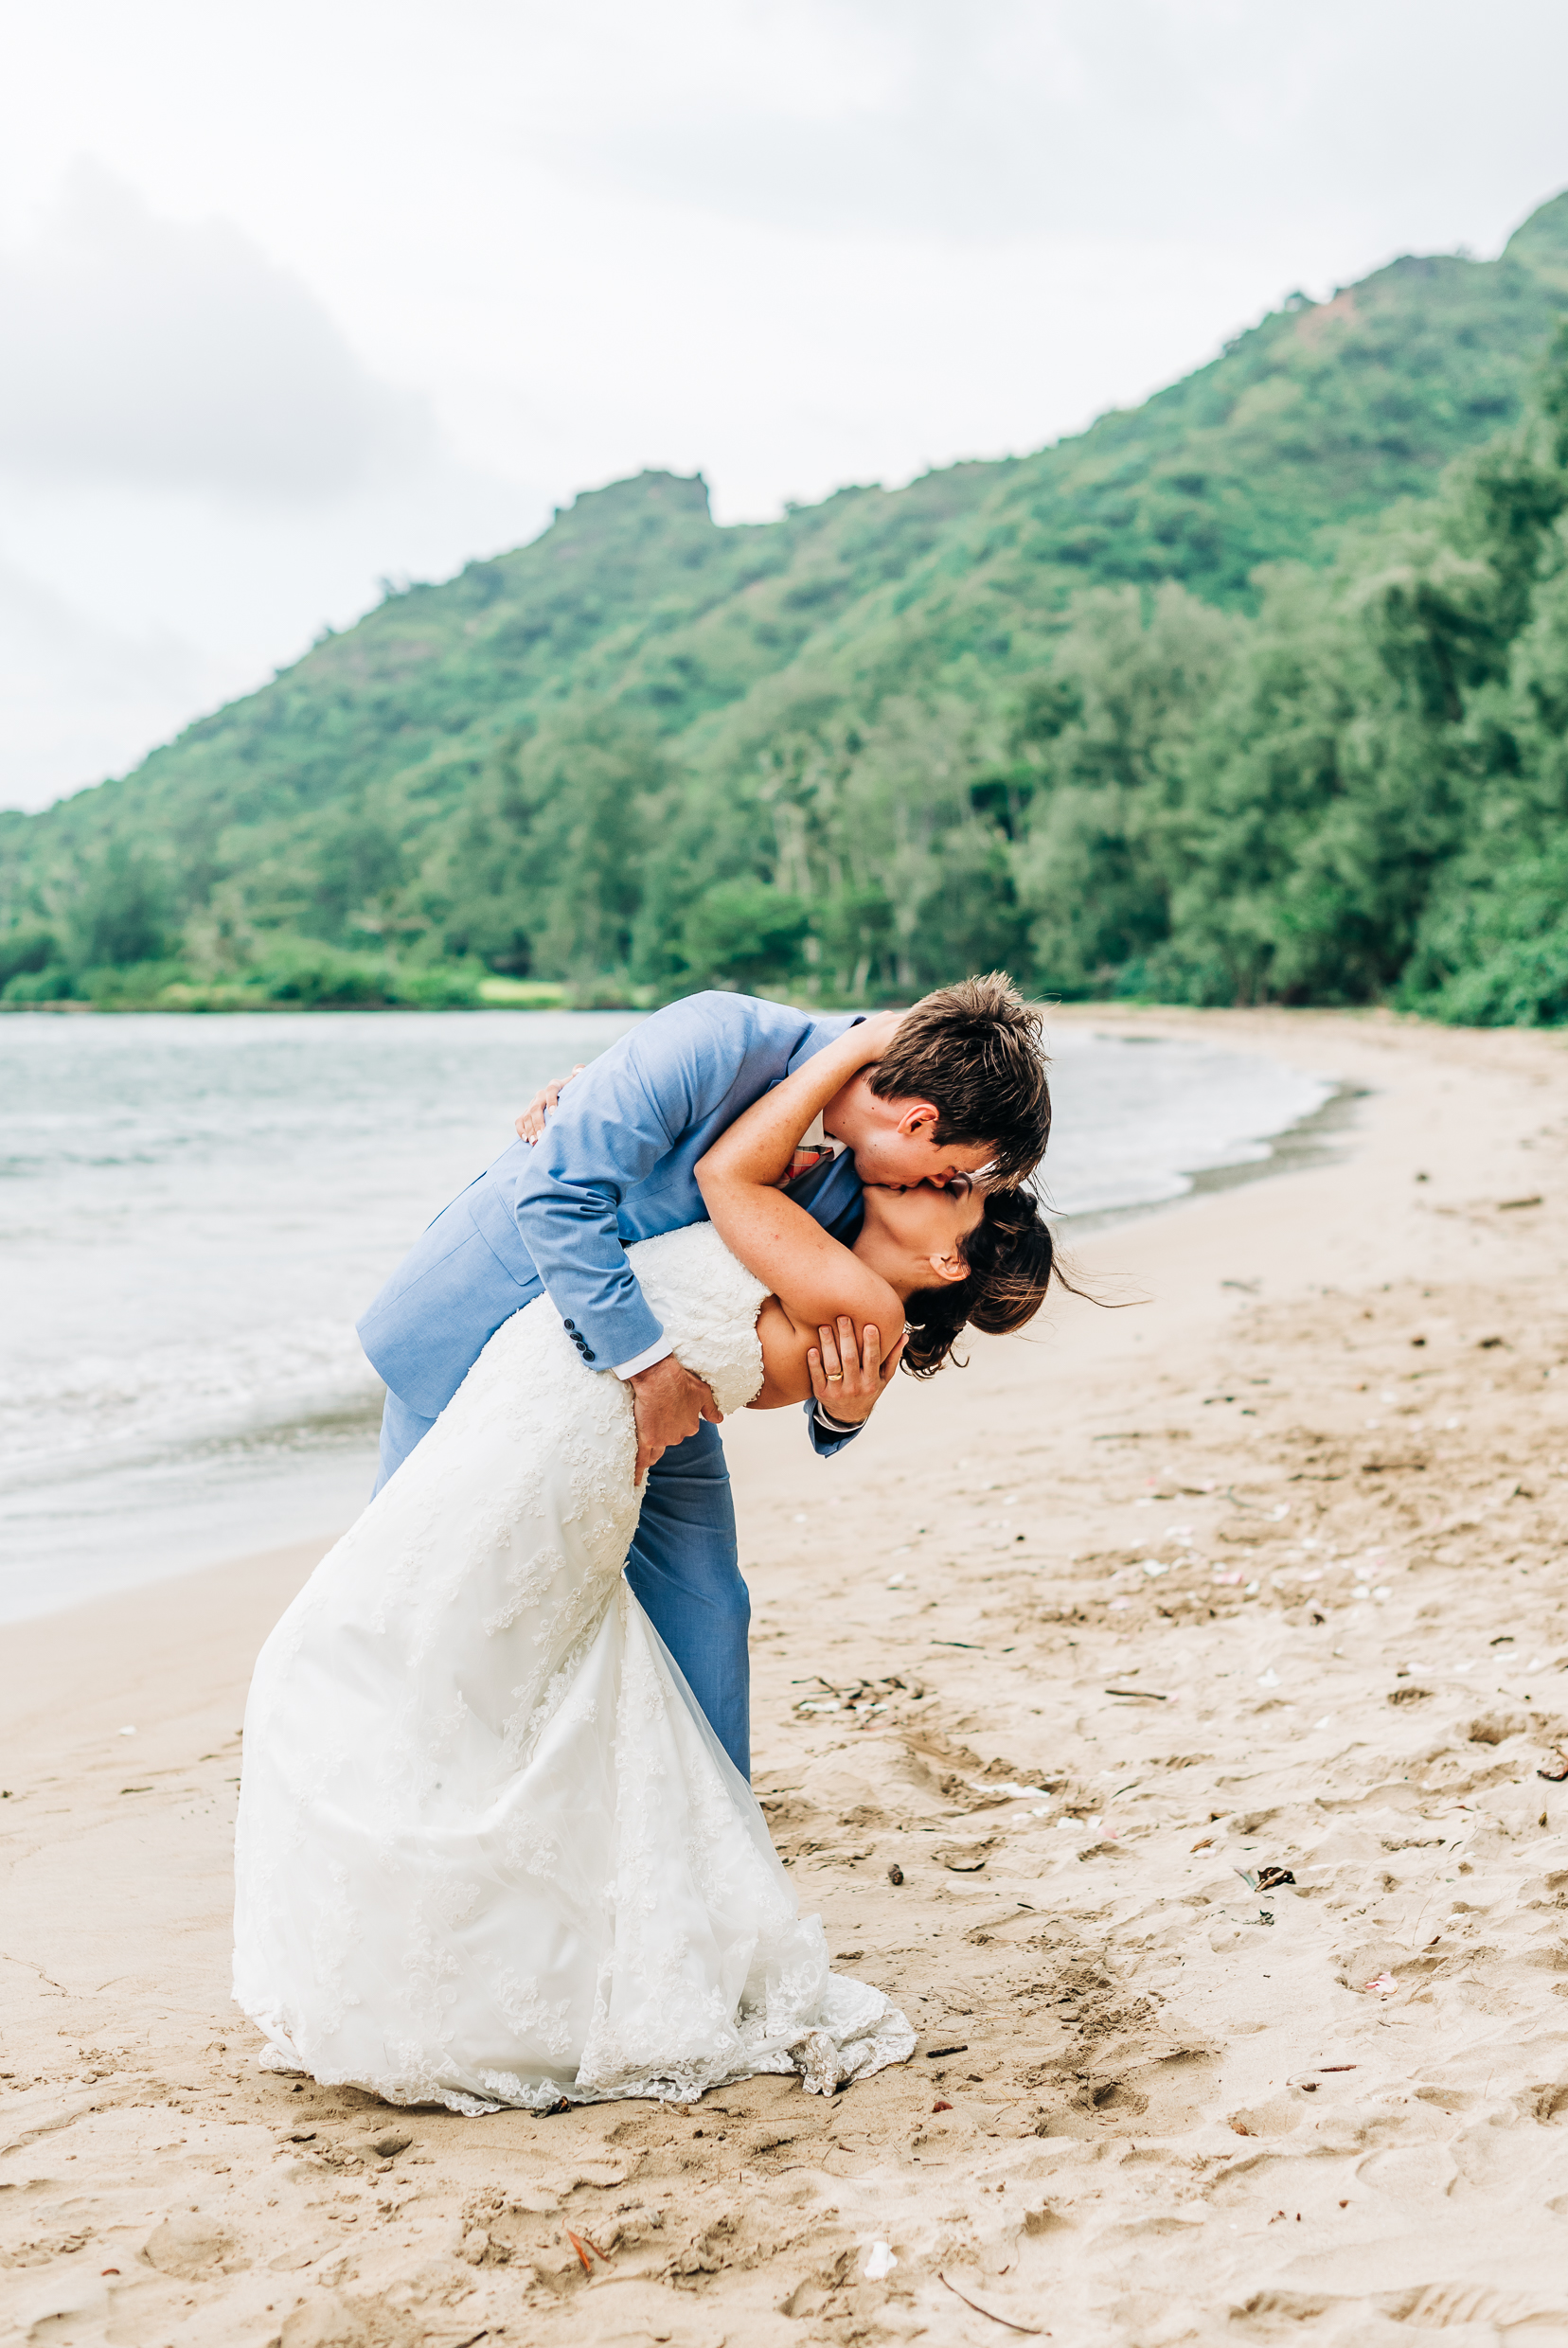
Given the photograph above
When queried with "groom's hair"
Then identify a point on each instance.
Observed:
(976, 1053)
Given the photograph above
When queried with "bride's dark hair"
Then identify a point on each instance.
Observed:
(1011, 1257)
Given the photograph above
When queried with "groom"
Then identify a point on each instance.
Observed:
(962, 1086)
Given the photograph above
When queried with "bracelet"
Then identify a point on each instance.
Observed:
(838, 1426)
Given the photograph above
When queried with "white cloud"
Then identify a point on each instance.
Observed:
(789, 244)
(915, 120)
(175, 354)
(81, 699)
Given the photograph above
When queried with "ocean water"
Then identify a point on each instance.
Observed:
(193, 1211)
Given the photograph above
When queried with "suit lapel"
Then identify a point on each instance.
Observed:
(830, 1192)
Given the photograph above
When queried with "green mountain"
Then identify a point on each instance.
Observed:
(887, 737)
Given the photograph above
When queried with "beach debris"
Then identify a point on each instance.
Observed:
(1323, 2068)
(1269, 1679)
(935, 2054)
(1153, 1567)
(1270, 1878)
(1508, 1207)
(939, 2105)
(1558, 1768)
(895, 1873)
(1149, 1695)
(880, 2262)
(1380, 1985)
(128, 1731)
(1036, 2330)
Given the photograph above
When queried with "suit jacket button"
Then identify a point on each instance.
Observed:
(588, 1354)
(570, 1326)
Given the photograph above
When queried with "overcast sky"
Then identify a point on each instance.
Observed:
(295, 298)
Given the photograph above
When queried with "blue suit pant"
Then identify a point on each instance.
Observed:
(683, 1566)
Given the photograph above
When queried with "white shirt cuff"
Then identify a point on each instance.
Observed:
(657, 1352)
(838, 1426)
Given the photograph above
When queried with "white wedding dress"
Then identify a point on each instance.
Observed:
(488, 1850)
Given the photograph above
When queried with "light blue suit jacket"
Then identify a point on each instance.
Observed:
(614, 1165)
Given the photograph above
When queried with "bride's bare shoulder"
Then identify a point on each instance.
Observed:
(786, 1376)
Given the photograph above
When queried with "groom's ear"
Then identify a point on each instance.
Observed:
(949, 1268)
(918, 1119)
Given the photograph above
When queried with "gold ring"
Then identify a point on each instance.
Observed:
(834, 1375)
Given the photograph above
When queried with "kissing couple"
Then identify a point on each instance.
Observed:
(498, 1842)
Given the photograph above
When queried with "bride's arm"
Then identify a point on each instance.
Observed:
(815, 1279)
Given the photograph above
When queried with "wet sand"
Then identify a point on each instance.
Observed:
(1192, 1665)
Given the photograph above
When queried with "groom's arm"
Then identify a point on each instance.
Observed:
(674, 1076)
(679, 1079)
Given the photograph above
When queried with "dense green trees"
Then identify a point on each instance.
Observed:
(1257, 692)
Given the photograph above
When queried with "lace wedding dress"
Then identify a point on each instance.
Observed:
(488, 1851)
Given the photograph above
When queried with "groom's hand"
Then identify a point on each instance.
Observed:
(670, 1404)
(846, 1374)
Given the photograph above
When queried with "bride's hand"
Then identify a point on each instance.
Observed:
(531, 1123)
(875, 1033)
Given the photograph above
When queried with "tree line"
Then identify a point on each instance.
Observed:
(1355, 791)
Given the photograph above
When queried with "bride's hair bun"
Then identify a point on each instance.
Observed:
(1011, 1257)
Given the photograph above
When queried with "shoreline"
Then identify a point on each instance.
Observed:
(1340, 1617)
(180, 1493)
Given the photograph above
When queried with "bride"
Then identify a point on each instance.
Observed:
(488, 1850)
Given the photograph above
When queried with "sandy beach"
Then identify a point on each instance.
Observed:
(1165, 1709)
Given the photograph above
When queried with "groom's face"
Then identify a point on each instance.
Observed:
(892, 1139)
